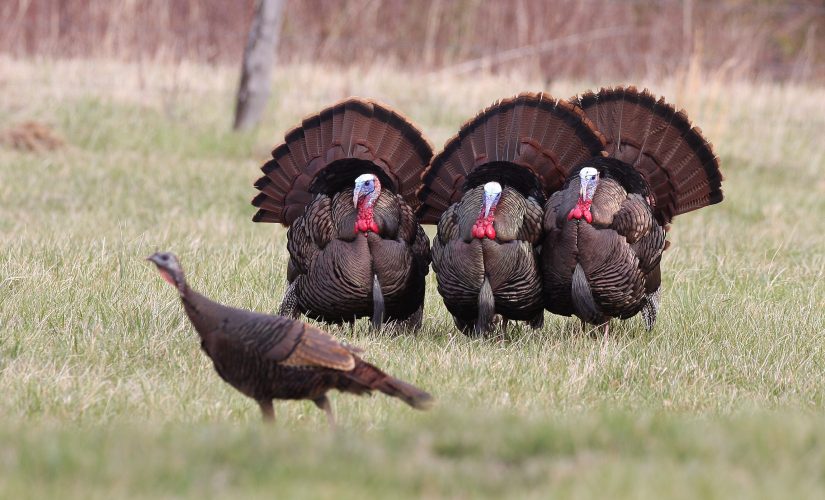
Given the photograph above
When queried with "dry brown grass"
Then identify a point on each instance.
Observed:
(31, 136)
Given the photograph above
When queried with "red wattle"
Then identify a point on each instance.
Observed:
(490, 232)
(483, 227)
(576, 213)
(365, 222)
(581, 211)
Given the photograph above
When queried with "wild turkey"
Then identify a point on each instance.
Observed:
(272, 357)
(345, 182)
(605, 230)
(486, 190)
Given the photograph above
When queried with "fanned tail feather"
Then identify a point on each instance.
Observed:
(531, 140)
(659, 141)
(329, 149)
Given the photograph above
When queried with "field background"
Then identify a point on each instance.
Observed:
(105, 392)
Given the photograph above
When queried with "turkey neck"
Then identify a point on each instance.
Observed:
(366, 221)
(587, 191)
(206, 315)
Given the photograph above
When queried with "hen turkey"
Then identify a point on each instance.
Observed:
(605, 229)
(486, 190)
(272, 357)
(345, 183)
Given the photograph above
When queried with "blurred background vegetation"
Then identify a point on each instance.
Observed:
(604, 39)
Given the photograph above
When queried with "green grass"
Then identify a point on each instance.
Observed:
(105, 392)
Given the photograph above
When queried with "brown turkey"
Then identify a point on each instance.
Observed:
(486, 190)
(345, 182)
(605, 230)
(272, 357)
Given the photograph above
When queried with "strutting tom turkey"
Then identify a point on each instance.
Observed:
(605, 229)
(345, 183)
(272, 357)
(486, 191)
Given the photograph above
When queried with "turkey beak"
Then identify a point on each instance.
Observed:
(583, 190)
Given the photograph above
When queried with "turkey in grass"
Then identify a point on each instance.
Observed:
(344, 182)
(270, 357)
(605, 230)
(486, 190)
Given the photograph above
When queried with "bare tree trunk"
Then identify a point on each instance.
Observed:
(258, 59)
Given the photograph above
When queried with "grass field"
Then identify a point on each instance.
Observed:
(105, 392)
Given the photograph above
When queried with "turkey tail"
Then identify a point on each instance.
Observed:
(330, 149)
(659, 141)
(370, 376)
(530, 142)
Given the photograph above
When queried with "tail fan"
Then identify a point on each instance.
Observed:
(370, 376)
(530, 141)
(677, 162)
(331, 148)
